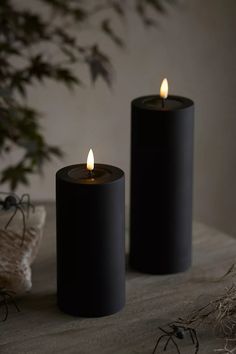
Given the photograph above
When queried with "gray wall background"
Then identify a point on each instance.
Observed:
(194, 47)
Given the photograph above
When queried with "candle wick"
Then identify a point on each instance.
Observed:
(90, 173)
(162, 103)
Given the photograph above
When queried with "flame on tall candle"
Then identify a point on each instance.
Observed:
(164, 89)
(90, 160)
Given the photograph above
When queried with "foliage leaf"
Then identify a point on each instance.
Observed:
(107, 29)
(39, 45)
(100, 65)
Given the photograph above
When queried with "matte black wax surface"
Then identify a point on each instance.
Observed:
(100, 175)
(90, 240)
(161, 184)
(156, 103)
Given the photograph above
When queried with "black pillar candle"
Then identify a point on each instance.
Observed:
(161, 184)
(90, 240)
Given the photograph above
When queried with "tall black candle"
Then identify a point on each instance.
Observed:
(161, 184)
(90, 240)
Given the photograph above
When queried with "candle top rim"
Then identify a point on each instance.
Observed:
(111, 174)
(184, 101)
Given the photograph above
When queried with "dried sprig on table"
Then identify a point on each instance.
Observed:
(218, 313)
(229, 348)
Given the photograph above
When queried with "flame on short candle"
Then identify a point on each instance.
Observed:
(164, 89)
(90, 160)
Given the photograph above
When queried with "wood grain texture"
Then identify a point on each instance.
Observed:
(152, 301)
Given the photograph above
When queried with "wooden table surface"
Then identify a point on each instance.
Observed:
(152, 301)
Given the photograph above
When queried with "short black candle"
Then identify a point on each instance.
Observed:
(161, 184)
(90, 240)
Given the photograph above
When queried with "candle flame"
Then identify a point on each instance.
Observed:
(90, 160)
(164, 89)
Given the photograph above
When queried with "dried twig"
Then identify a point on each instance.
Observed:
(219, 314)
(228, 347)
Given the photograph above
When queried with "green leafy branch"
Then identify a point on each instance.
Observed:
(36, 46)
